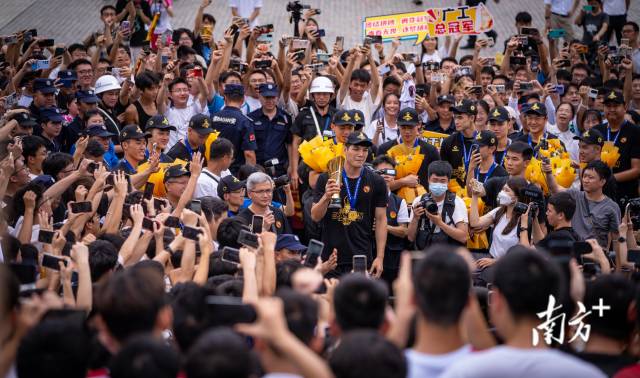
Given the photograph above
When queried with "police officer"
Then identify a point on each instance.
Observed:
(197, 133)
(66, 79)
(87, 100)
(51, 127)
(272, 126)
(157, 131)
(44, 96)
(315, 117)
(236, 127)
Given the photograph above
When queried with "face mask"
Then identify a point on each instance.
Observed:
(437, 189)
(504, 199)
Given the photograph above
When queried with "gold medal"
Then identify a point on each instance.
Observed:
(353, 216)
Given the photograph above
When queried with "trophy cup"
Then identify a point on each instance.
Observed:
(334, 169)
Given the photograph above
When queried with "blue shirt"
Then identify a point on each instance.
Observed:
(216, 104)
(238, 129)
(247, 202)
(272, 136)
(110, 158)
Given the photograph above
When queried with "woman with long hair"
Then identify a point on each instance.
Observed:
(385, 128)
(503, 218)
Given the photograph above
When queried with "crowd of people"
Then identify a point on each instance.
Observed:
(259, 204)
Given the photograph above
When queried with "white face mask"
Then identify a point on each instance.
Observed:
(504, 199)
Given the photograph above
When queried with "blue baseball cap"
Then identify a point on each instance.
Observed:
(99, 131)
(88, 97)
(51, 114)
(44, 85)
(268, 90)
(67, 75)
(290, 242)
(234, 89)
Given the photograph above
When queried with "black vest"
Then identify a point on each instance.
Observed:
(425, 236)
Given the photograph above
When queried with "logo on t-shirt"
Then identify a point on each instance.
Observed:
(346, 215)
(366, 188)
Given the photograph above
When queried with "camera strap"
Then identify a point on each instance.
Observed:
(210, 175)
(586, 203)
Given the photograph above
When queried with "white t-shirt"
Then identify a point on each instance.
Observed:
(367, 105)
(245, 8)
(501, 243)
(207, 184)
(180, 119)
(403, 213)
(422, 365)
(250, 104)
(459, 211)
(504, 361)
(614, 7)
(388, 134)
(566, 137)
(561, 7)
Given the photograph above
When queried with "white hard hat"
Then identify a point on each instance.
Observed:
(321, 84)
(106, 83)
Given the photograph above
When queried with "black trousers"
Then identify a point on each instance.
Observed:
(615, 25)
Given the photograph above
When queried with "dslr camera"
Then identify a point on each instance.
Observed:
(429, 205)
(296, 7)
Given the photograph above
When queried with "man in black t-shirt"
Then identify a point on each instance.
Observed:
(626, 137)
(408, 121)
(483, 165)
(560, 210)
(363, 199)
(456, 149)
(197, 133)
(444, 122)
(260, 191)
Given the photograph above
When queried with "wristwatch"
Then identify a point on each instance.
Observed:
(622, 239)
(524, 229)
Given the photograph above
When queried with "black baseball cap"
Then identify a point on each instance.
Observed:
(44, 85)
(52, 114)
(358, 138)
(614, 96)
(592, 136)
(445, 98)
(343, 117)
(175, 171)
(201, 124)
(88, 97)
(25, 120)
(358, 118)
(131, 132)
(499, 113)
(408, 117)
(229, 184)
(536, 108)
(486, 138)
(234, 89)
(268, 90)
(160, 122)
(465, 107)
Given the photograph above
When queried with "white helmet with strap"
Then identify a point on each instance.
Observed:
(321, 84)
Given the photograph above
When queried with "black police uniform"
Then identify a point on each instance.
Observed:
(305, 127)
(237, 128)
(272, 137)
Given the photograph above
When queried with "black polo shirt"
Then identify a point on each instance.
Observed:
(627, 139)
(436, 128)
(272, 137)
(305, 127)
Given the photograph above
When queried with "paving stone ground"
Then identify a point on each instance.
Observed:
(70, 21)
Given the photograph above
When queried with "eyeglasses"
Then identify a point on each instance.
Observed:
(180, 91)
(262, 192)
(85, 72)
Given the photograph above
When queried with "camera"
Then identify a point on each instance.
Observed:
(429, 205)
(520, 208)
(281, 181)
(295, 6)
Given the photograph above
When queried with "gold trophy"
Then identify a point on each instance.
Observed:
(334, 169)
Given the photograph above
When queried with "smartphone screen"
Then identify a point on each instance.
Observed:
(231, 255)
(256, 224)
(314, 249)
(147, 224)
(340, 42)
(227, 311)
(196, 206)
(190, 233)
(51, 262)
(148, 190)
(81, 207)
(360, 264)
(248, 239)
(45, 236)
(172, 222)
